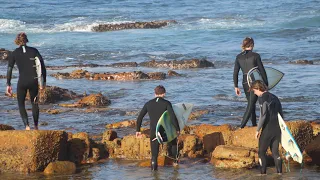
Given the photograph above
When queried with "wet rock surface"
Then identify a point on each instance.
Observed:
(4, 127)
(301, 62)
(92, 100)
(134, 25)
(4, 54)
(178, 64)
(60, 167)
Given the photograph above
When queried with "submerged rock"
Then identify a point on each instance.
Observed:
(4, 127)
(313, 150)
(134, 25)
(301, 62)
(53, 94)
(178, 64)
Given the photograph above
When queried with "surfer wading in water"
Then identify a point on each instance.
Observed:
(155, 108)
(24, 56)
(245, 61)
(270, 135)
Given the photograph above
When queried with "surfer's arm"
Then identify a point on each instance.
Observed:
(11, 63)
(43, 69)
(263, 116)
(262, 70)
(236, 73)
(173, 117)
(142, 113)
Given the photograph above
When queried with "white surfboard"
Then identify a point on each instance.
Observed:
(274, 76)
(39, 71)
(182, 112)
(165, 131)
(288, 143)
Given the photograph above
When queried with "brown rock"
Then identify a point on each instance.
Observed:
(245, 137)
(79, 148)
(205, 129)
(178, 64)
(226, 163)
(301, 62)
(313, 150)
(302, 132)
(191, 146)
(127, 123)
(197, 113)
(4, 127)
(211, 141)
(173, 73)
(125, 64)
(53, 94)
(157, 75)
(109, 136)
(60, 167)
(94, 100)
(316, 127)
(4, 54)
(31, 151)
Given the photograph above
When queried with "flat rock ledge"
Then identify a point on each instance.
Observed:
(134, 25)
(178, 64)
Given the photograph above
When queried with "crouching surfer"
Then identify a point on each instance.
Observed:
(155, 108)
(270, 135)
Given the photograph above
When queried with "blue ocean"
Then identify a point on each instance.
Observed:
(284, 31)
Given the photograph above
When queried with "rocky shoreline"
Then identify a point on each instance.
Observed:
(223, 146)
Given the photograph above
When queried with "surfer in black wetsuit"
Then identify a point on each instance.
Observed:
(155, 108)
(24, 56)
(245, 61)
(270, 136)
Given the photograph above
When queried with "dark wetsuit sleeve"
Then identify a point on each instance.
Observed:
(43, 68)
(280, 110)
(173, 117)
(262, 70)
(11, 63)
(263, 115)
(143, 112)
(236, 73)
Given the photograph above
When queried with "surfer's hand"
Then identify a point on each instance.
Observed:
(237, 90)
(9, 90)
(257, 134)
(138, 134)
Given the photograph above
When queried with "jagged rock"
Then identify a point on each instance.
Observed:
(74, 66)
(245, 137)
(127, 123)
(52, 94)
(60, 167)
(4, 54)
(211, 141)
(109, 136)
(178, 64)
(316, 127)
(135, 25)
(301, 62)
(197, 113)
(313, 150)
(4, 127)
(79, 148)
(204, 129)
(191, 146)
(157, 75)
(302, 132)
(136, 75)
(31, 151)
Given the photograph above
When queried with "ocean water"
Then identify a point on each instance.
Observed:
(283, 31)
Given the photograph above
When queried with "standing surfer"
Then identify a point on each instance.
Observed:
(155, 108)
(270, 136)
(24, 56)
(245, 61)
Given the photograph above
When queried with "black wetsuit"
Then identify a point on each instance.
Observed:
(24, 56)
(245, 61)
(155, 108)
(270, 136)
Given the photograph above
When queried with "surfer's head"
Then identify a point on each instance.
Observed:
(159, 91)
(247, 43)
(258, 87)
(21, 39)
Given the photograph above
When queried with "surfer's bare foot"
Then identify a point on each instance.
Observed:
(175, 164)
(27, 128)
(36, 128)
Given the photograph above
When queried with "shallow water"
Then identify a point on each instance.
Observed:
(283, 31)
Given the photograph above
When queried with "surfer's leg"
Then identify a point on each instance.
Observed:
(172, 150)
(275, 154)
(21, 96)
(252, 99)
(154, 155)
(263, 147)
(33, 91)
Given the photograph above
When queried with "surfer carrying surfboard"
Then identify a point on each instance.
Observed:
(155, 108)
(245, 61)
(25, 57)
(270, 135)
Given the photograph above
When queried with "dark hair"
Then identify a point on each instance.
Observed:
(159, 90)
(247, 42)
(259, 85)
(21, 39)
